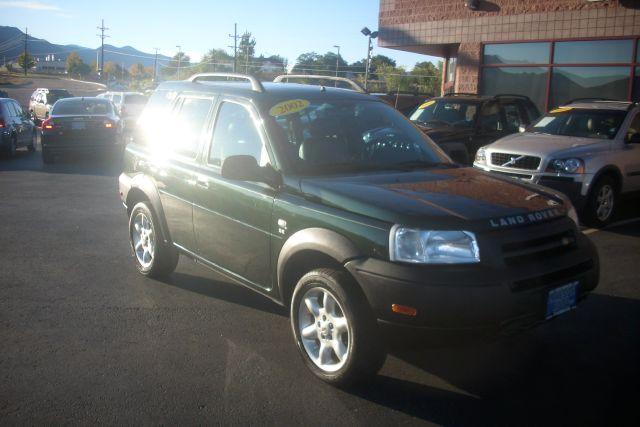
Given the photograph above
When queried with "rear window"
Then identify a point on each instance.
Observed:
(135, 99)
(84, 106)
(55, 95)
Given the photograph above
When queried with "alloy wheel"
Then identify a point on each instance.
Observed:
(143, 237)
(604, 202)
(324, 329)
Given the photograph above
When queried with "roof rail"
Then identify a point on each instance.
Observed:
(460, 94)
(286, 77)
(593, 100)
(256, 86)
(510, 95)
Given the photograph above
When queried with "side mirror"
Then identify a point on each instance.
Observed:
(634, 138)
(246, 168)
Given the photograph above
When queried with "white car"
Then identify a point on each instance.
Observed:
(129, 105)
(589, 150)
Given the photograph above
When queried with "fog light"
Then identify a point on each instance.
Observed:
(403, 309)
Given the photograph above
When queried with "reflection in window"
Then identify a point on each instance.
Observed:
(190, 121)
(636, 86)
(588, 82)
(528, 81)
(517, 53)
(235, 134)
(593, 52)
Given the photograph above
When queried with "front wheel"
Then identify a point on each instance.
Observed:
(602, 202)
(153, 257)
(334, 328)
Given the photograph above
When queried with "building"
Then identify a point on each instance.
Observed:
(549, 50)
(51, 65)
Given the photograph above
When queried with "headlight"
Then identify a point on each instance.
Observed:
(571, 213)
(572, 165)
(481, 156)
(433, 246)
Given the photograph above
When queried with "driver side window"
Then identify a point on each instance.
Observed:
(490, 119)
(634, 127)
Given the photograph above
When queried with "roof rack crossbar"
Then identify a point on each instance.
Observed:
(286, 77)
(510, 95)
(256, 86)
(593, 99)
(460, 94)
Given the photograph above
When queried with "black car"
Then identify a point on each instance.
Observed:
(406, 103)
(16, 128)
(462, 123)
(81, 125)
(331, 203)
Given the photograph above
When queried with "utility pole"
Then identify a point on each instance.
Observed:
(337, 62)
(235, 46)
(179, 60)
(155, 65)
(26, 37)
(102, 36)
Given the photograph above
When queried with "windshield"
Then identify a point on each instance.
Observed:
(83, 106)
(584, 123)
(446, 112)
(135, 99)
(55, 95)
(350, 136)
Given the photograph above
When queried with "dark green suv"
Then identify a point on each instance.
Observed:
(330, 202)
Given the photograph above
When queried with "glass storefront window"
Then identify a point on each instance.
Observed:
(528, 81)
(588, 82)
(638, 53)
(450, 75)
(593, 52)
(636, 86)
(516, 53)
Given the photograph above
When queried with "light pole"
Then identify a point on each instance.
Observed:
(179, 59)
(337, 58)
(371, 35)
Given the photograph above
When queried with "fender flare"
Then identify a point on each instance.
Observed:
(328, 242)
(144, 184)
(613, 169)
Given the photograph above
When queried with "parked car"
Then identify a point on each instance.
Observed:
(128, 105)
(589, 150)
(43, 99)
(4, 94)
(81, 125)
(16, 128)
(461, 123)
(330, 202)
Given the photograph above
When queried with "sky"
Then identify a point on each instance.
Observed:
(284, 27)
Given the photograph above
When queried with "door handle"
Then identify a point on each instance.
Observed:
(202, 183)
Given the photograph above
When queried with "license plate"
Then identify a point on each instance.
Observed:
(562, 299)
(77, 125)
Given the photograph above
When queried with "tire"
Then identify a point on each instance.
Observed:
(11, 149)
(47, 156)
(346, 325)
(34, 141)
(602, 203)
(153, 257)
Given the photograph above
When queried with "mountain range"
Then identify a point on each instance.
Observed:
(12, 45)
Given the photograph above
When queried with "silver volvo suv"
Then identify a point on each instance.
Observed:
(587, 149)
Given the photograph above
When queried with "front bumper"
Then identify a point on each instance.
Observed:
(476, 296)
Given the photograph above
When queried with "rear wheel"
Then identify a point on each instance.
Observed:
(11, 148)
(601, 203)
(153, 257)
(34, 142)
(334, 328)
(47, 156)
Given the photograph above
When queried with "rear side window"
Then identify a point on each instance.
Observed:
(189, 122)
(9, 109)
(513, 120)
(634, 127)
(490, 119)
(135, 99)
(17, 108)
(235, 134)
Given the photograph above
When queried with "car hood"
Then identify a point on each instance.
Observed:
(458, 197)
(542, 145)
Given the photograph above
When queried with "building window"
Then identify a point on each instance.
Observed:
(529, 81)
(553, 73)
(593, 52)
(589, 82)
(517, 53)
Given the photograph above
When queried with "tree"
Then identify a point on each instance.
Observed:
(215, 60)
(114, 71)
(428, 77)
(313, 63)
(138, 72)
(26, 61)
(75, 66)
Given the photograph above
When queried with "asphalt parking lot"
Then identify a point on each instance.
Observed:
(84, 339)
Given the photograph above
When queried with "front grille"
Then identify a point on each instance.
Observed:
(517, 161)
(514, 175)
(556, 277)
(539, 248)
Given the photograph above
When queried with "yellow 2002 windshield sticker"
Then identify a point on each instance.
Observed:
(288, 107)
(426, 104)
(560, 110)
